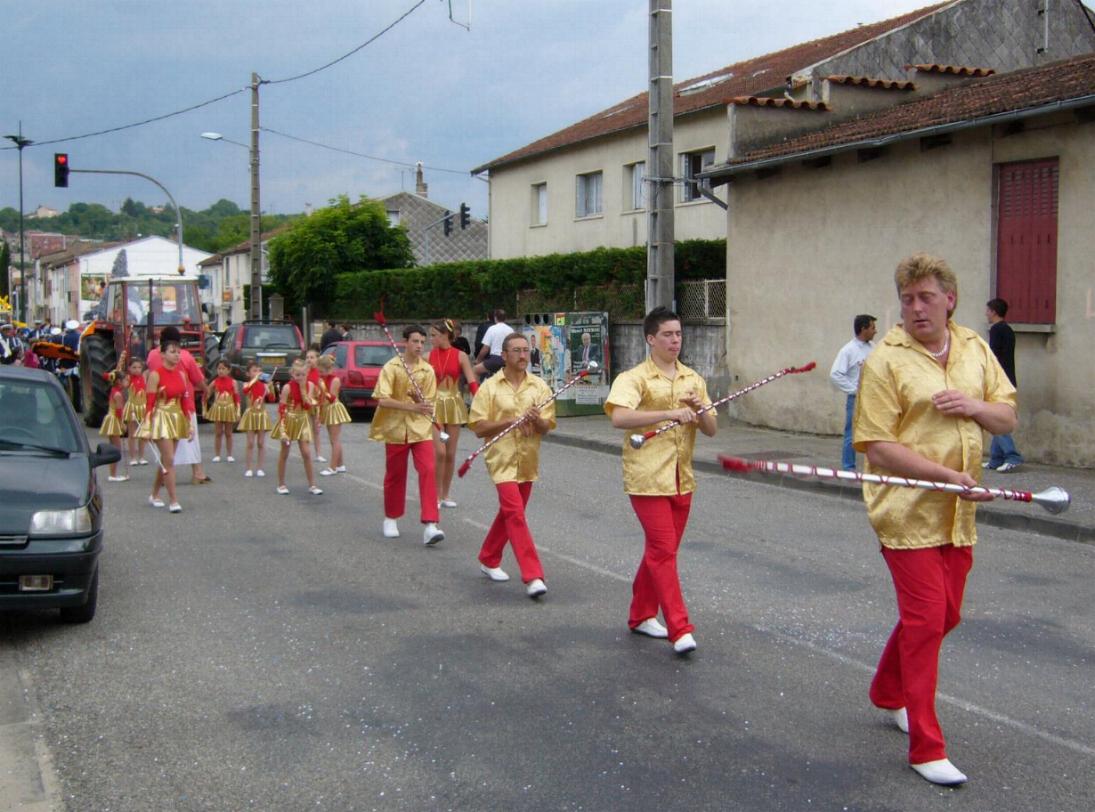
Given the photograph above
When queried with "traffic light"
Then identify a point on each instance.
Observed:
(465, 216)
(60, 169)
(448, 222)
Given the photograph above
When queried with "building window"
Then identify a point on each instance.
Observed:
(588, 188)
(1026, 240)
(393, 217)
(635, 186)
(692, 163)
(539, 204)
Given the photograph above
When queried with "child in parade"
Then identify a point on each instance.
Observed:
(225, 411)
(403, 422)
(333, 414)
(298, 401)
(169, 410)
(113, 426)
(449, 365)
(311, 358)
(255, 421)
(133, 412)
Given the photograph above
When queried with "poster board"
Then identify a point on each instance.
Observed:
(562, 345)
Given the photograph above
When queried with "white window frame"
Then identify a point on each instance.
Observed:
(393, 217)
(589, 194)
(692, 163)
(635, 186)
(539, 204)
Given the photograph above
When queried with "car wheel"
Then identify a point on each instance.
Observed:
(84, 614)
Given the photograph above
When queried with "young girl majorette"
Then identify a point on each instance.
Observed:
(255, 420)
(311, 359)
(168, 408)
(113, 426)
(134, 411)
(332, 413)
(225, 411)
(449, 364)
(298, 401)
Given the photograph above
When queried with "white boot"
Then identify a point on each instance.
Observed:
(391, 529)
(940, 772)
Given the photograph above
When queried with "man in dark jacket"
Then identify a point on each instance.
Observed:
(1003, 455)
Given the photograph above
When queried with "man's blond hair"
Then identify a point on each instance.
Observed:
(920, 266)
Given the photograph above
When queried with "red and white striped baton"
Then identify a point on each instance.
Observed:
(466, 464)
(638, 440)
(444, 435)
(1054, 499)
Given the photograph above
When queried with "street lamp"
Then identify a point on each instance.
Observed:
(21, 143)
(256, 257)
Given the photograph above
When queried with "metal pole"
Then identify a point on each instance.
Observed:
(256, 211)
(22, 246)
(660, 226)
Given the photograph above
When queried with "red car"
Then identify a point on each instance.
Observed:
(357, 365)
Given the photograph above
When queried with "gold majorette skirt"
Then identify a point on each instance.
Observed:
(449, 408)
(294, 425)
(223, 410)
(134, 409)
(255, 419)
(167, 422)
(334, 414)
(112, 426)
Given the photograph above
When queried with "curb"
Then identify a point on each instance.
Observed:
(1022, 523)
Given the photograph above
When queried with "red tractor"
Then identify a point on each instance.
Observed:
(129, 318)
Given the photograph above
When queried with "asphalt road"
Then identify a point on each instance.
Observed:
(266, 652)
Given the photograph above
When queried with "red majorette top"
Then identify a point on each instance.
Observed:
(226, 384)
(256, 391)
(135, 383)
(445, 363)
(327, 384)
(173, 387)
(296, 397)
(117, 390)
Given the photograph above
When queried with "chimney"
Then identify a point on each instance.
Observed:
(420, 187)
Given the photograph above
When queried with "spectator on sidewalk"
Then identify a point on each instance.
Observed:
(845, 376)
(330, 336)
(490, 354)
(1004, 457)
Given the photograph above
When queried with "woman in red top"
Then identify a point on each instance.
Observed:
(311, 359)
(225, 411)
(449, 365)
(168, 419)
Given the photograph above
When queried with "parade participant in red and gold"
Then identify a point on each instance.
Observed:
(449, 366)
(134, 411)
(299, 400)
(311, 358)
(403, 422)
(113, 426)
(333, 415)
(225, 411)
(168, 413)
(658, 475)
(255, 420)
(513, 461)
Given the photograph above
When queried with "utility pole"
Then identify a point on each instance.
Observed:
(659, 166)
(22, 143)
(255, 310)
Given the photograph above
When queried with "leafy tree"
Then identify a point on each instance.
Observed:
(341, 238)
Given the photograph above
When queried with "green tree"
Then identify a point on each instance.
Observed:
(341, 238)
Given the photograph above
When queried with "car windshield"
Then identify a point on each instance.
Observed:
(35, 415)
(366, 355)
(271, 336)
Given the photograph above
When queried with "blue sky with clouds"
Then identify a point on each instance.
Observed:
(427, 91)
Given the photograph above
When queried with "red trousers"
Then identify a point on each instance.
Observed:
(656, 583)
(929, 583)
(395, 479)
(510, 525)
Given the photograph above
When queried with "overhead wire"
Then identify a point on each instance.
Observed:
(362, 154)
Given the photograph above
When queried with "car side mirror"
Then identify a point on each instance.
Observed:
(105, 454)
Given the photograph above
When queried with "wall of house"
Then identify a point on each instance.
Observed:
(513, 234)
(815, 246)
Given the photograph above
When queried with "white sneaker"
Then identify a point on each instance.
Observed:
(1008, 467)
(174, 507)
(134, 462)
(535, 588)
(230, 458)
(651, 628)
(431, 534)
(260, 473)
(391, 529)
(340, 469)
(988, 466)
(155, 501)
(685, 644)
(328, 472)
(940, 772)
(447, 503)
(312, 489)
(142, 461)
(494, 573)
(117, 479)
(248, 473)
(900, 718)
(320, 459)
(281, 489)
(216, 459)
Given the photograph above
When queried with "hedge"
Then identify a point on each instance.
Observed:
(604, 279)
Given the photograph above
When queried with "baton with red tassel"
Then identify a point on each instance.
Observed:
(638, 440)
(464, 466)
(1053, 499)
(444, 435)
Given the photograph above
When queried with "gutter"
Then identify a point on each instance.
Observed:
(724, 173)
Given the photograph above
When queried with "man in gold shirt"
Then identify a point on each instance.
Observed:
(925, 395)
(658, 476)
(514, 461)
(404, 423)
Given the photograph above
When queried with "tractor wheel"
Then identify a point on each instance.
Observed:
(97, 358)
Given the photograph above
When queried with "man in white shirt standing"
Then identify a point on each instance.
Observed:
(845, 376)
(490, 355)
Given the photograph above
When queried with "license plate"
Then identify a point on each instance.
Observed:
(35, 583)
(273, 360)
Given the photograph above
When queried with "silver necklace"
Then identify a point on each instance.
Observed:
(942, 352)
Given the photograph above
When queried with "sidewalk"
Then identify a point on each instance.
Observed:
(742, 440)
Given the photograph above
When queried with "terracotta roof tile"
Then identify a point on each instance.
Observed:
(957, 70)
(774, 101)
(748, 78)
(867, 81)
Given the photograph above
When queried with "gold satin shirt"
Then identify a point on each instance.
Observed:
(894, 405)
(396, 425)
(514, 458)
(663, 466)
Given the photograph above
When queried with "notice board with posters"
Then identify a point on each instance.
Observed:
(563, 344)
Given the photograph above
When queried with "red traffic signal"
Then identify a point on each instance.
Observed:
(60, 169)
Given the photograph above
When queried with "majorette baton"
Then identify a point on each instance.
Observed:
(444, 435)
(638, 440)
(464, 466)
(1054, 499)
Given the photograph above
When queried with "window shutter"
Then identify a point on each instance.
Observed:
(1026, 256)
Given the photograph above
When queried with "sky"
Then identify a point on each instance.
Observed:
(427, 90)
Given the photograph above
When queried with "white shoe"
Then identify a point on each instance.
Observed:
(248, 473)
(320, 459)
(391, 529)
(431, 534)
(230, 458)
(117, 479)
(134, 462)
(1008, 467)
(494, 573)
(535, 588)
(900, 718)
(447, 503)
(340, 469)
(216, 459)
(281, 489)
(260, 473)
(651, 628)
(328, 472)
(312, 489)
(155, 501)
(685, 644)
(988, 466)
(142, 461)
(940, 772)
(174, 507)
